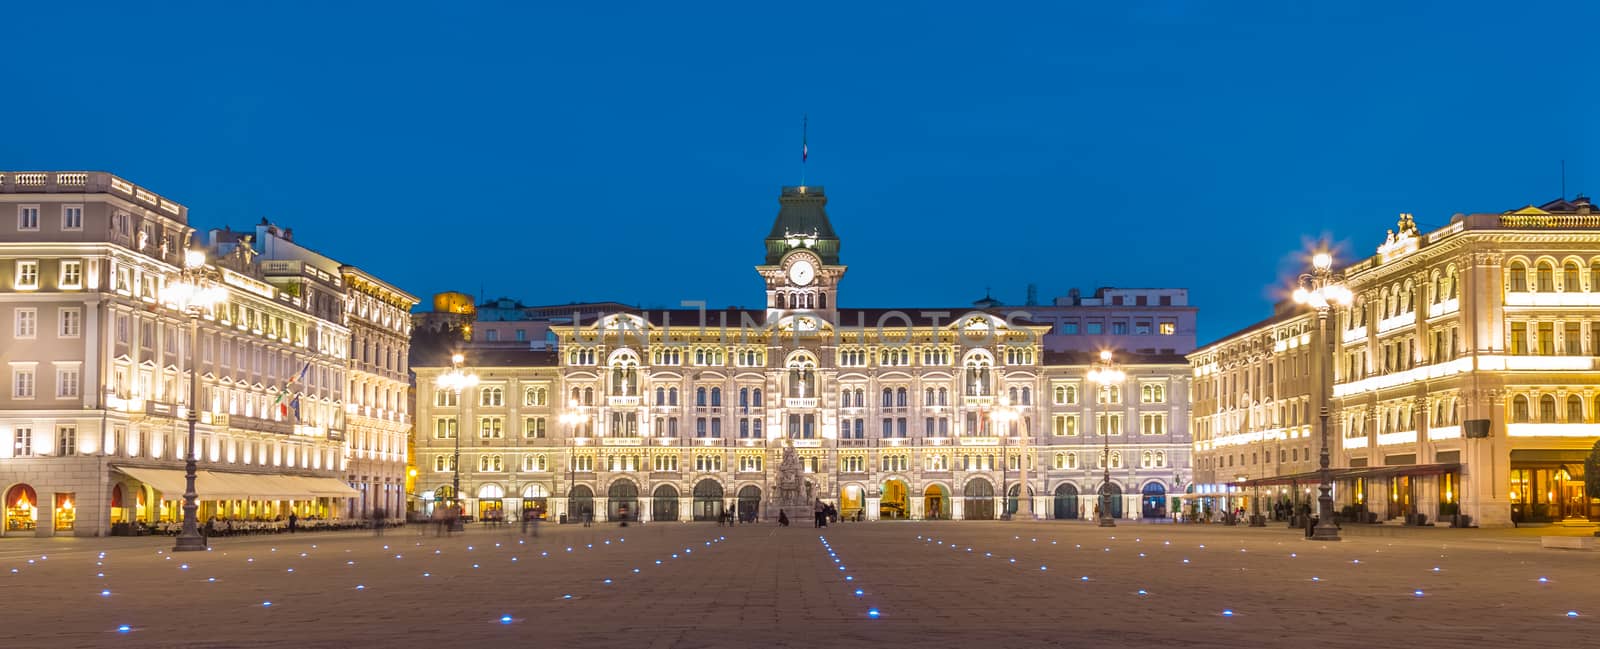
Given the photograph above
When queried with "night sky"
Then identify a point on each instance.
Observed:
(635, 152)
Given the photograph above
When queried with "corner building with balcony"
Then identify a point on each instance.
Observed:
(916, 413)
(1464, 378)
(95, 368)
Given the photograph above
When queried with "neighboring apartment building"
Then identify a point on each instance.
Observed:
(910, 413)
(1464, 376)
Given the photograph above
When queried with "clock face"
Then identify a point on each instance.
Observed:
(802, 272)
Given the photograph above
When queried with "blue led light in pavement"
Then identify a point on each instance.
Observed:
(567, 596)
(1544, 580)
(124, 628)
(858, 592)
(1227, 612)
(505, 619)
(266, 603)
(1572, 614)
(1142, 592)
(105, 593)
(872, 612)
(1418, 593)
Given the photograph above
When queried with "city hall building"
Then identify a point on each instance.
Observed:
(1464, 379)
(910, 413)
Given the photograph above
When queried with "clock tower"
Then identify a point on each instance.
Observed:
(802, 268)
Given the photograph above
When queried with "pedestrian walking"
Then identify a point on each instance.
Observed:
(294, 519)
(588, 516)
(783, 519)
(816, 514)
(379, 520)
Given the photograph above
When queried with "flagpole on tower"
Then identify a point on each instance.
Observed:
(805, 151)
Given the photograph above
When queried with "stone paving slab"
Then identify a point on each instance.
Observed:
(762, 586)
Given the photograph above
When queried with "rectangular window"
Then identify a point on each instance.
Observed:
(1119, 328)
(491, 428)
(1094, 328)
(1169, 328)
(28, 217)
(27, 323)
(71, 322)
(24, 442)
(534, 427)
(1141, 327)
(71, 273)
(66, 440)
(1573, 339)
(27, 274)
(1519, 338)
(1153, 424)
(1547, 339)
(22, 386)
(444, 428)
(72, 217)
(67, 382)
(1069, 328)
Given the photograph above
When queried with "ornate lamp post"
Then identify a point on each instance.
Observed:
(459, 381)
(1104, 373)
(571, 418)
(192, 294)
(1324, 290)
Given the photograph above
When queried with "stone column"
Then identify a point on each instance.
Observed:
(915, 503)
(685, 508)
(602, 508)
(872, 507)
(955, 508)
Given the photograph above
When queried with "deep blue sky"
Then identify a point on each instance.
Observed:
(611, 151)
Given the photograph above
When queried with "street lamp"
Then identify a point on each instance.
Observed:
(458, 381)
(570, 419)
(1105, 373)
(1324, 290)
(1006, 415)
(192, 293)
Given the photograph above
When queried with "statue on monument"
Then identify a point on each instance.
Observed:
(792, 490)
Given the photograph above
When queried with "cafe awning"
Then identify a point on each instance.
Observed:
(225, 485)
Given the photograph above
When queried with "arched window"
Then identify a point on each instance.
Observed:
(755, 398)
(1519, 277)
(979, 377)
(1574, 409)
(1569, 277)
(1546, 276)
(900, 398)
(588, 396)
(716, 397)
(1027, 396)
(700, 397)
(927, 397)
(672, 396)
(802, 377)
(661, 396)
(625, 374)
(888, 398)
(492, 396)
(844, 398)
(1594, 275)
(944, 396)
(744, 397)
(1547, 408)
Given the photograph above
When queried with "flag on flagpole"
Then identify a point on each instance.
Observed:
(295, 404)
(283, 395)
(805, 151)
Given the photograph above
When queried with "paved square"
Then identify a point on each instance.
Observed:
(961, 584)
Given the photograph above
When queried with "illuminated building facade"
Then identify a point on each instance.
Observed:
(94, 385)
(1464, 376)
(890, 413)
